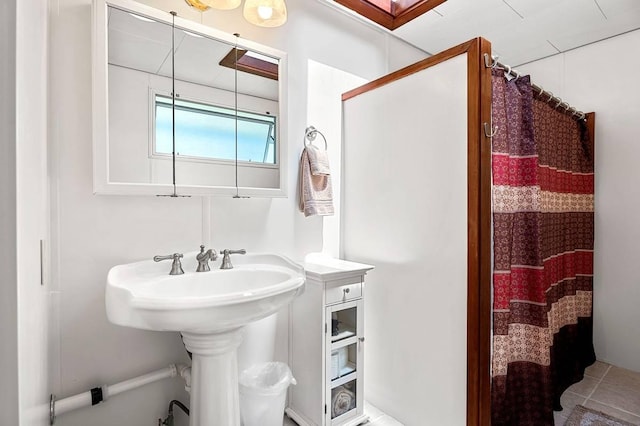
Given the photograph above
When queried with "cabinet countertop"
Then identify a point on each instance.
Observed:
(330, 268)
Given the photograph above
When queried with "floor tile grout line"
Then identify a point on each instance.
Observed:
(597, 384)
(617, 408)
(590, 397)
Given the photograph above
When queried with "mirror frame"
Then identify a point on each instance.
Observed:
(100, 106)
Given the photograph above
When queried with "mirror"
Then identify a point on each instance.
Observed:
(229, 109)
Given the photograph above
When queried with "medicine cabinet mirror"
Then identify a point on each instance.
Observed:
(230, 107)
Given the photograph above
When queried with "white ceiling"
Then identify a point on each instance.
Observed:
(146, 46)
(522, 30)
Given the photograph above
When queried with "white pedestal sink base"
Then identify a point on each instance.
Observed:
(214, 306)
(214, 378)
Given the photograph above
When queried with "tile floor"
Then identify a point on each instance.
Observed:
(607, 388)
(376, 418)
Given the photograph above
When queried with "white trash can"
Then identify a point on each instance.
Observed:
(263, 391)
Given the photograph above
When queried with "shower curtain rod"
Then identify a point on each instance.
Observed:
(541, 93)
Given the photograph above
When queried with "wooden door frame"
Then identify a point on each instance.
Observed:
(479, 264)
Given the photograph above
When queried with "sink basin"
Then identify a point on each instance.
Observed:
(209, 309)
(144, 295)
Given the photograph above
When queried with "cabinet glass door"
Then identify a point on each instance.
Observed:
(344, 345)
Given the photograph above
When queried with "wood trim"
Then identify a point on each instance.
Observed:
(369, 11)
(485, 239)
(473, 231)
(229, 60)
(390, 20)
(479, 266)
(411, 69)
(414, 11)
(246, 63)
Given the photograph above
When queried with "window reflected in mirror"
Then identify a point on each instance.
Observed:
(207, 132)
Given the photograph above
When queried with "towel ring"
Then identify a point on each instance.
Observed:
(310, 135)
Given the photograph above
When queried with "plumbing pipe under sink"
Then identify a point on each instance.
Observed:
(99, 394)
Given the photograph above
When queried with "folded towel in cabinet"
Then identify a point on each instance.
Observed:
(318, 160)
(315, 196)
(342, 400)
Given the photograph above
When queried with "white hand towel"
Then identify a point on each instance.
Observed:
(315, 196)
(319, 160)
(342, 400)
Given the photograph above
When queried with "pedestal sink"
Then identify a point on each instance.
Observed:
(209, 308)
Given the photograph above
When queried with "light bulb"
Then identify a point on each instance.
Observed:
(265, 12)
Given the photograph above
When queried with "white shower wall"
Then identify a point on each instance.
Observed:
(601, 77)
(405, 211)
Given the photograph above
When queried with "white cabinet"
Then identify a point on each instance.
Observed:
(326, 347)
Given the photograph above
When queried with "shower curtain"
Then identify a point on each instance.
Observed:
(543, 185)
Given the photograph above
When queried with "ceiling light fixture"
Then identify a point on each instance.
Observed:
(263, 13)
(198, 5)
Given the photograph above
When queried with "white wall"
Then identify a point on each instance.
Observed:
(324, 111)
(93, 233)
(405, 211)
(24, 360)
(602, 77)
(8, 257)
(32, 208)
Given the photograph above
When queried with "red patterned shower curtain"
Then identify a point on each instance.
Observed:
(543, 255)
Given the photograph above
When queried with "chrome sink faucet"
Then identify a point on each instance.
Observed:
(203, 259)
(176, 266)
(226, 260)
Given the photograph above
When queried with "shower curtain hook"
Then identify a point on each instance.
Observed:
(559, 102)
(489, 130)
(550, 96)
(517, 75)
(539, 89)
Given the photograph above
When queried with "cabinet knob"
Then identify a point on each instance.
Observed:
(346, 290)
(361, 339)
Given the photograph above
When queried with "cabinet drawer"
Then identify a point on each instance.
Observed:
(343, 293)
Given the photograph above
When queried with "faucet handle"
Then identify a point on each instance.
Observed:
(229, 251)
(226, 260)
(176, 266)
(173, 256)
